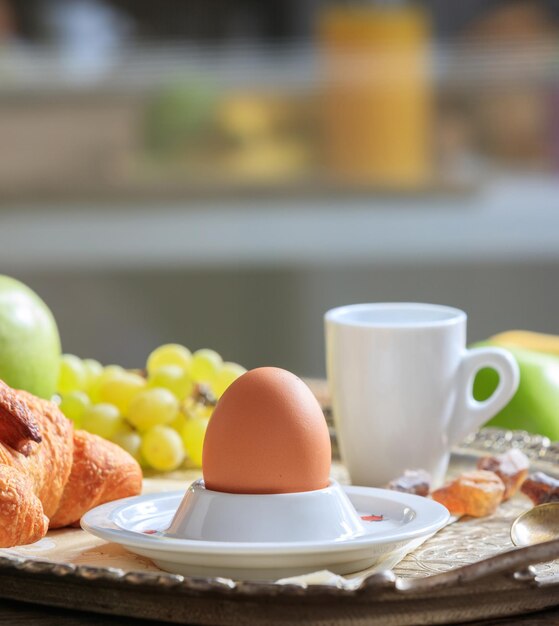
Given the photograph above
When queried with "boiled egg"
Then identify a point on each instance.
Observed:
(267, 435)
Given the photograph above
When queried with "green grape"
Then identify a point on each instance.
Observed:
(195, 410)
(73, 405)
(162, 448)
(143, 463)
(193, 433)
(72, 374)
(129, 440)
(110, 372)
(228, 373)
(178, 422)
(172, 377)
(152, 407)
(169, 354)
(93, 369)
(102, 419)
(205, 365)
(121, 388)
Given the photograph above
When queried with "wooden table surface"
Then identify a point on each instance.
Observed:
(15, 613)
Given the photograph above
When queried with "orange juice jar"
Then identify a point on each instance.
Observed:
(376, 94)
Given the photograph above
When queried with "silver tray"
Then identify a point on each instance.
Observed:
(467, 571)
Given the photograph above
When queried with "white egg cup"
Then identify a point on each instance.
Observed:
(322, 515)
(266, 537)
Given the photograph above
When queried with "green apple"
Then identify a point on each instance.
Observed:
(29, 340)
(535, 406)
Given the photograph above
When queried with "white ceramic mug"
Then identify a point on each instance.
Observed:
(401, 381)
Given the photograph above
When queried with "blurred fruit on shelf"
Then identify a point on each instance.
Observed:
(268, 161)
(514, 118)
(181, 114)
(245, 116)
(29, 340)
(267, 138)
(192, 129)
(158, 415)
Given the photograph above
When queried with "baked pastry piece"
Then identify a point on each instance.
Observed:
(50, 474)
(21, 513)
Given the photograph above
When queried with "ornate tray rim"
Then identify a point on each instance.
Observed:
(504, 584)
(536, 447)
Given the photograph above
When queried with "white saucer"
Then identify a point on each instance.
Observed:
(139, 524)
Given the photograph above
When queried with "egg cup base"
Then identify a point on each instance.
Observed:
(321, 515)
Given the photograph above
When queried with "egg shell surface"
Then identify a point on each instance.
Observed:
(267, 435)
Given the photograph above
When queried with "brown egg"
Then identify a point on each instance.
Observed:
(267, 434)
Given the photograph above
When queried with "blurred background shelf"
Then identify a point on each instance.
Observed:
(133, 69)
(138, 192)
(221, 173)
(184, 122)
(487, 226)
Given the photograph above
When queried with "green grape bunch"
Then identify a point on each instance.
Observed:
(158, 415)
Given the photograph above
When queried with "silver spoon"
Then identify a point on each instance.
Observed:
(536, 525)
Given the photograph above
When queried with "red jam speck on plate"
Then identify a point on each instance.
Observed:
(372, 518)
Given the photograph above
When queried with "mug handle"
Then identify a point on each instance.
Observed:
(471, 414)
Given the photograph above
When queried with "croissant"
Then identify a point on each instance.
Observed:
(51, 474)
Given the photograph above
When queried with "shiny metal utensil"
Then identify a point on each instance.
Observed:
(536, 525)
